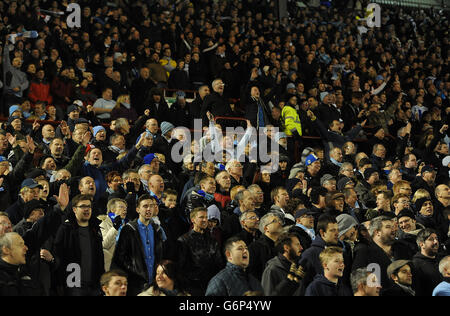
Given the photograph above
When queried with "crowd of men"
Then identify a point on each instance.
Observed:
(97, 197)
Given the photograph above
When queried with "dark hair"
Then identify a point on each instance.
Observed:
(284, 239)
(316, 192)
(230, 241)
(171, 270)
(81, 197)
(111, 175)
(169, 192)
(145, 197)
(323, 221)
(423, 235)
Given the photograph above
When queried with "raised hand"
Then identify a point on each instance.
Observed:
(30, 144)
(63, 196)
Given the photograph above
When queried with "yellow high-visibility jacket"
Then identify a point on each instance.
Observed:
(290, 120)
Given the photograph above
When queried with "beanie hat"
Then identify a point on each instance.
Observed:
(89, 147)
(279, 136)
(30, 206)
(180, 94)
(14, 108)
(166, 127)
(310, 159)
(407, 213)
(419, 203)
(345, 223)
(323, 95)
(149, 158)
(12, 118)
(290, 86)
(97, 129)
(368, 172)
(72, 108)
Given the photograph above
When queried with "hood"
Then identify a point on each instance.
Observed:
(321, 279)
(279, 262)
(318, 242)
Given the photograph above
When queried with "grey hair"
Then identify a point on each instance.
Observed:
(377, 223)
(265, 220)
(240, 195)
(359, 276)
(6, 241)
(243, 216)
(253, 187)
(344, 165)
(444, 264)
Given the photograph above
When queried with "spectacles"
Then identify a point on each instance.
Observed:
(84, 207)
(275, 220)
(253, 217)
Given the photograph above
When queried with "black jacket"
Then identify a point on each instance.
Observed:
(199, 259)
(217, 105)
(395, 290)
(365, 254)
(129, 256)
(261, 251)
(15, 281)
(247, 237)
(67, 249)
(275, 281)
(321, 286)
(426, 275)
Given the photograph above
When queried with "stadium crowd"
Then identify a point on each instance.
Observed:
(94, 200)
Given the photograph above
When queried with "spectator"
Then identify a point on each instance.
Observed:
(168, 281)
(400, 273)
(114, 283)
(139, 247)
(365, 283)
(443, 288)
(235, 279)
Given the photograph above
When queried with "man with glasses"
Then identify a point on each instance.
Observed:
(258, 195)
(304, 227)
(78, 250)
(263, 249)
(249, 222)
(140, 247)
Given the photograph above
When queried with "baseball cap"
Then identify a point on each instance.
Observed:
(427, 168)
(343, 182)
(30, 183)
(303, 212)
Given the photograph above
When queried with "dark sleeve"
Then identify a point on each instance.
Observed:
(360, 257)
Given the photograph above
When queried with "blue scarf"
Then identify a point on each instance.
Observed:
(207, 196)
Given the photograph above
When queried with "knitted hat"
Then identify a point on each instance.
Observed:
(166, 127)
(72, 108)
(368, 172)
(290, 86)
(323, 95)
(406, 213)
(14, 108)
(310, 159)
(180, 94)
(345, 223)
(279, 136)
(97, 129)
(32, 205)
(419, 203)
(149, 158)
(12, 118)
(326, 177)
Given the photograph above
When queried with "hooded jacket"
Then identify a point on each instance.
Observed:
(129, 256)
(311, 262)
(426, 275)
(275, 281)
(321, 286)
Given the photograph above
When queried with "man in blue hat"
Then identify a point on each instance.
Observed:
(29, 190)
(164, 144)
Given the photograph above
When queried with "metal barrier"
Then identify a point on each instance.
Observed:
(439, 4)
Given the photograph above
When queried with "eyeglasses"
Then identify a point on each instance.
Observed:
(253, 217)
(84, 207)
(275, 220)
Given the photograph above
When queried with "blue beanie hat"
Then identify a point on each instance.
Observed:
(149, 158)
(14, 108)
(310, 159)
(97, 129)
(165, 127)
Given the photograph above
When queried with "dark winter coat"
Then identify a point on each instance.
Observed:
(275, 281)
(232, 281)
(426, 275)
(15, 281)
(261, 251)
(129, 256)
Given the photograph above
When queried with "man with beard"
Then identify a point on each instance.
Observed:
(426, 263)
(382, 250)
(235, 279)
(400, 273)
(277, 279)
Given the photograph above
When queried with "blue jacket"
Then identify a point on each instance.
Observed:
(321, 286)
(232, 281)
(443, 288)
